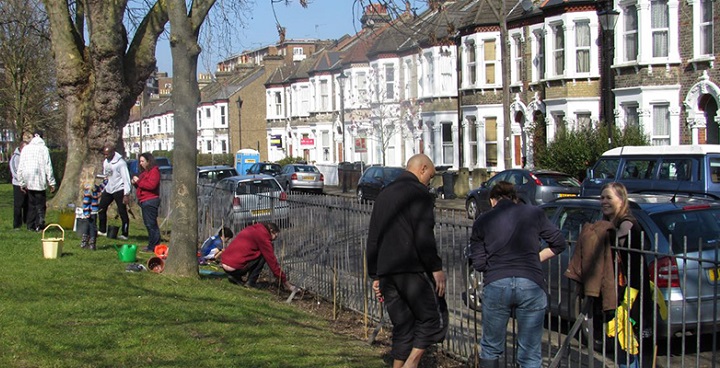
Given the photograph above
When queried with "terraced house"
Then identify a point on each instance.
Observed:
(475, 84)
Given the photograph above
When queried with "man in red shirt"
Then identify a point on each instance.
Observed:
(248, 253)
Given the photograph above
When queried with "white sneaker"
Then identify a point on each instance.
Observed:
(123, 237)
(102, 233)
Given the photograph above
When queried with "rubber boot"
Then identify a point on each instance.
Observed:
(489, 363)
(91, 243)
(84, 241)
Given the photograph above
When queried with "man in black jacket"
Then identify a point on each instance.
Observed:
(404, 264)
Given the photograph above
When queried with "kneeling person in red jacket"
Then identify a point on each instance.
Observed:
(248, 253)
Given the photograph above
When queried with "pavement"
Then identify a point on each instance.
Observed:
(447, 204)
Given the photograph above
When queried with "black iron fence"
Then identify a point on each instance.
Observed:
(322, 248)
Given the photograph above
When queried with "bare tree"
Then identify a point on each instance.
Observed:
(100, 72)
(185, 24)
(27, 84)
(185, 27)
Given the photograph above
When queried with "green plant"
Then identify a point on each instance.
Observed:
(290, 160)
(574, 151)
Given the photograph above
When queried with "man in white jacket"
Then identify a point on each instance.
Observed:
(20, 197)
(35, 174)
(117, 189)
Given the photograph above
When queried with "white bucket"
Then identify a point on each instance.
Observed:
(52, 247)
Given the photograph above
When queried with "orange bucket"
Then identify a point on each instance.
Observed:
(161, 251)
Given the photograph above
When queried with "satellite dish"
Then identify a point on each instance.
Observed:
(526, 5)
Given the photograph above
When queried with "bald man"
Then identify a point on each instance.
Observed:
(404, 264)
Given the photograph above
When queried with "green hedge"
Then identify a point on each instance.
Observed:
(575, 151)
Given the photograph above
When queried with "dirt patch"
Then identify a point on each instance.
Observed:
(351, 323)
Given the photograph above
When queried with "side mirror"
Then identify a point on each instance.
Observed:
(589, 174)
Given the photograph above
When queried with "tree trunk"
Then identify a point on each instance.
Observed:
(182, 260)
(98, 80)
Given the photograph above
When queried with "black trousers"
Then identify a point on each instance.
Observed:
(419, 316)
(105, 200)
(20, 207)
(253, 268)
(36, 209)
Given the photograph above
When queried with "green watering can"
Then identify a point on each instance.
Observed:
(127, 253)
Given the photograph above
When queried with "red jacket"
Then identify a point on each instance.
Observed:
(148, 185)
(252, 242)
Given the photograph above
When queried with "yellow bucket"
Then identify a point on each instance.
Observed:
(52, 247)
(66, 220)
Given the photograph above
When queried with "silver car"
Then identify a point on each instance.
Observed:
(301, 177)
(682, 236)
(533, 187)
(246, 199)
(682, 251)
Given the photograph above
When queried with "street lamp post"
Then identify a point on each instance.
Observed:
(341, 82)
(607, 17)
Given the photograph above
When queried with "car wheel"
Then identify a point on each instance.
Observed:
(472, 208)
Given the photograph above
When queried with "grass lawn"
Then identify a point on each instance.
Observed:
(85, 310)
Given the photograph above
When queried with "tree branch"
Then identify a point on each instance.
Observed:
(141, 54)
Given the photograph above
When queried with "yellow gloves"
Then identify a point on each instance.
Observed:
(622, 325)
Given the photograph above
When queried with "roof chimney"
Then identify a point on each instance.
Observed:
(375, 14)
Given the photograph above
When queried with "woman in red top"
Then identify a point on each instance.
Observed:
(147, 186)
(248, 253)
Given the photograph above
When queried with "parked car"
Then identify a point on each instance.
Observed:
(301, 177)
(162, 163)
(374, 179)
(657, 168)
(533, 187)
(246, 199)
(682, 235)
(265, 168)
(213, 174)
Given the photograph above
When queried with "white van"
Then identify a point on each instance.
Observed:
(685, 168)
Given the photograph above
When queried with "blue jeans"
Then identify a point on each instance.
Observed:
(529, 302)
(150, 214)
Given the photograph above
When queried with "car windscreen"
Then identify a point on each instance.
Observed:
(555, 180)
(257, 186)
(270, 168)
(162, 161)
(306, 168)
(698, 228)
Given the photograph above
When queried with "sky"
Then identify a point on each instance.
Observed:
(322, 19)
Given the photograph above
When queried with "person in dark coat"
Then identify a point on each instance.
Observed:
(404, 264)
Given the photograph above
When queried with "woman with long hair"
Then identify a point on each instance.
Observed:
(147, 185)
(634, 292)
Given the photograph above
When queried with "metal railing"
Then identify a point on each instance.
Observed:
(322, 249)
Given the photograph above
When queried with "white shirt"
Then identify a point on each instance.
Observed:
(117, 174)
(35, 170)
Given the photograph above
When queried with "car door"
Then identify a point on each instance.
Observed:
(284, 176)
(522, 185)
(374, 182)
(483, 193)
